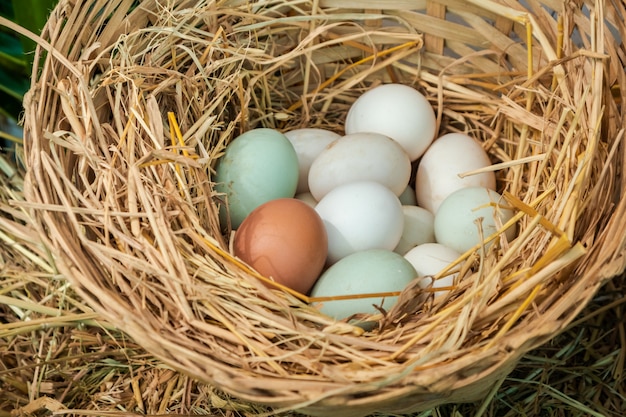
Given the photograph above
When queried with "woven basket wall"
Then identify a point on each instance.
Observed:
(130, 215)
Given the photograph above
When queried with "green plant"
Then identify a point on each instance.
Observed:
(16, 54)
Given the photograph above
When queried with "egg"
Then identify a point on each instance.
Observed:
(456, 220)
(308, 143)
(257, 166)
(307, 198)
(438, 171)
(428, 260)
(398, 111)
(359, 216)
(419, 227)
(284, 239)
(407, 197)
(366, 272)
(360, 157)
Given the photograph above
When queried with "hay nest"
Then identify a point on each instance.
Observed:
(136, 101)
(56, 354)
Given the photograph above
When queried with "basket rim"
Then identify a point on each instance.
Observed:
(62, 115)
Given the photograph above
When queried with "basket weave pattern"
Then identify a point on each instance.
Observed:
(137, 100)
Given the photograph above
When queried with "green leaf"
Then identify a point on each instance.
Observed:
(11, 106)
(11, 54)
(32, 15)
(16, 51)
(14, 86)
(10, 44)
(6, 9)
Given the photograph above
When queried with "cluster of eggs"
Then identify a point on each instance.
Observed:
(331, 215)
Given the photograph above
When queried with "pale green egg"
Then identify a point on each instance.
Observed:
(407, 198)
(464, 213)
(257, 166)
(365, 272)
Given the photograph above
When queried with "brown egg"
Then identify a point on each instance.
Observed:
(284, 239)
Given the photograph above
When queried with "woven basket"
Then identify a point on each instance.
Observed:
(137, 99)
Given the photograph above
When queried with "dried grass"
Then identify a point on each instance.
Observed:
(124, 204)
(58, 357)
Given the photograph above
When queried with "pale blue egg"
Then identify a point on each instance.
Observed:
(365, 272)
(257, 166)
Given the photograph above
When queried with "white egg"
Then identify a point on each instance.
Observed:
(438, 171)
(359, 216)
(398, 111)
(308, 143)
(428, 260)
(456, 220)
(360, 157)
(419, 227)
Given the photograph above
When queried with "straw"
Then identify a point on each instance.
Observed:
(122, 135)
